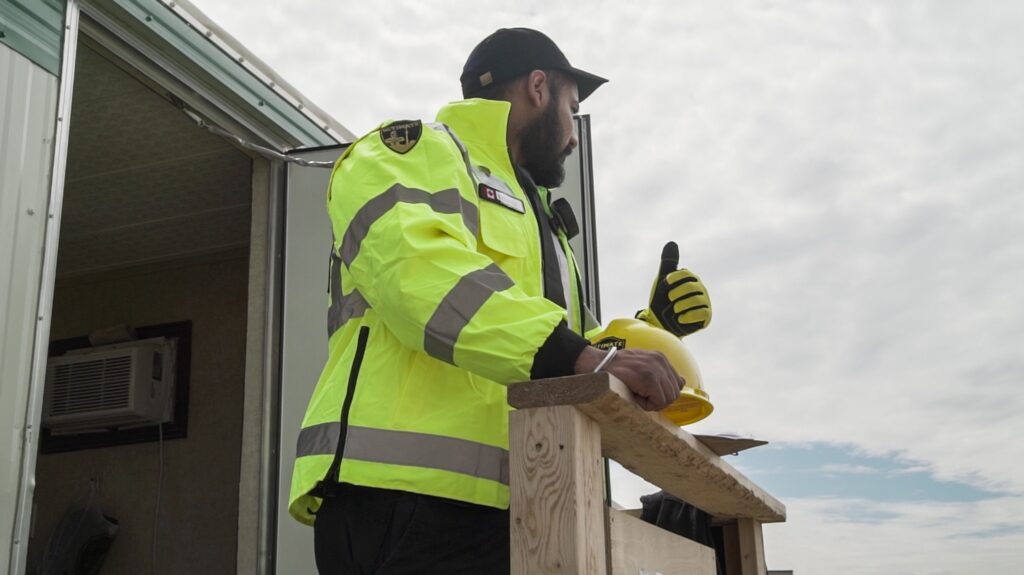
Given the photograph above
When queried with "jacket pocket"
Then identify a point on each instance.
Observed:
(504, 230)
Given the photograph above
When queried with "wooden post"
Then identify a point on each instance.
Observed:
(751, 544)
(744, 548)
(556, 483)
(731, 542)
(560, 524)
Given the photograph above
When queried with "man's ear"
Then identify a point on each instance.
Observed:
(537, 91)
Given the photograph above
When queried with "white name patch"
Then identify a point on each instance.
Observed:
(502, 198)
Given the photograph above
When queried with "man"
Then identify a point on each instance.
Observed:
(449, 280)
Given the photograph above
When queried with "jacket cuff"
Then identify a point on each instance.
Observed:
(557, 357)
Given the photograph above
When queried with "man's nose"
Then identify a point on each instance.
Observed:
(573, 141)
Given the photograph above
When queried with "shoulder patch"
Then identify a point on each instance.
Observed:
(401, 136)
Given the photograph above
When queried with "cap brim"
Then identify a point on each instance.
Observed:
(586, 82)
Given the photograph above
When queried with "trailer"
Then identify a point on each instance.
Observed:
(161, 184)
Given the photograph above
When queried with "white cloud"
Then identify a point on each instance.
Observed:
(861, 537)
(847, 468)
(912, 469)
(847, 178)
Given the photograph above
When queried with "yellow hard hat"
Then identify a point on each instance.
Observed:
(693, 404)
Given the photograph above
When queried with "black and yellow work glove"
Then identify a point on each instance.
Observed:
(679, 300)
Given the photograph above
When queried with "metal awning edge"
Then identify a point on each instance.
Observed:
(254, 65)
(162, 25)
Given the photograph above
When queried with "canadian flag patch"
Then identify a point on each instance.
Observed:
(501, 198)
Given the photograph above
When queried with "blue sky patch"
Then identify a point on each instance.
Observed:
(821, 470)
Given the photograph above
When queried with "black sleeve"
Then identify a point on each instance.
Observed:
(557, 357)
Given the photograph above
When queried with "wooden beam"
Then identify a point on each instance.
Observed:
(654, 448)
(639, 547)
(557, 493)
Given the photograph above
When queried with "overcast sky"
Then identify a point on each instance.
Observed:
(848, 180)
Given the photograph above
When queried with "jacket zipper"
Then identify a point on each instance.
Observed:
(331, 478)
(537, 207)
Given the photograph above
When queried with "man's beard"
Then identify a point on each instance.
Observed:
(542, 157)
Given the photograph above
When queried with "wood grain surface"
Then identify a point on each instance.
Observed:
(557, 495)
(652, 447)
(639, 547)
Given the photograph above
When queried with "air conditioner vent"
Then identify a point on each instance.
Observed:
(92, 385)
(114, 386)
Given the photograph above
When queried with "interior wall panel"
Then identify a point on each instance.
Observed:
(196, 526)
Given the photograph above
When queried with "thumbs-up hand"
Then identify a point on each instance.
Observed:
(679, 301)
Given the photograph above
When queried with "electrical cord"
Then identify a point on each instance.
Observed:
(159, 492)
(201, 122)
(171, 367)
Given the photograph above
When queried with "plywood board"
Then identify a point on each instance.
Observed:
(639, 547)
(726, 445)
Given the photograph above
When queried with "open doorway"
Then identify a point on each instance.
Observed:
(155, 231)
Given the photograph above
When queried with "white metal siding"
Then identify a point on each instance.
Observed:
(28, 101)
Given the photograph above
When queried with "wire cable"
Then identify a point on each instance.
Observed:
(159, 492)
(249, 145)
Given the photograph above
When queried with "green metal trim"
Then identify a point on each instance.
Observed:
(34, 29)
(165, 24)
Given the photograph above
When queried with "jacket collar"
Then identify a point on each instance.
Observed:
(481, 125)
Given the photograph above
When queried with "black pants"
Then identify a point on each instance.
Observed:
(367, 531)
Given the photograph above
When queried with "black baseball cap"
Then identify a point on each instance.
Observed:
(512, 52)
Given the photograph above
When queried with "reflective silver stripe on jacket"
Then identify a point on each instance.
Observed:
(343, 306)
(462, 149)
(407, 448)
(444, 202)
(346, 307)
(458, 307)
(477, 174)
(563, 275)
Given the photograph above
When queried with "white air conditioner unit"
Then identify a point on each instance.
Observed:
(121, 385)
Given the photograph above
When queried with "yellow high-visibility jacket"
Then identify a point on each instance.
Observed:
(437, 301)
